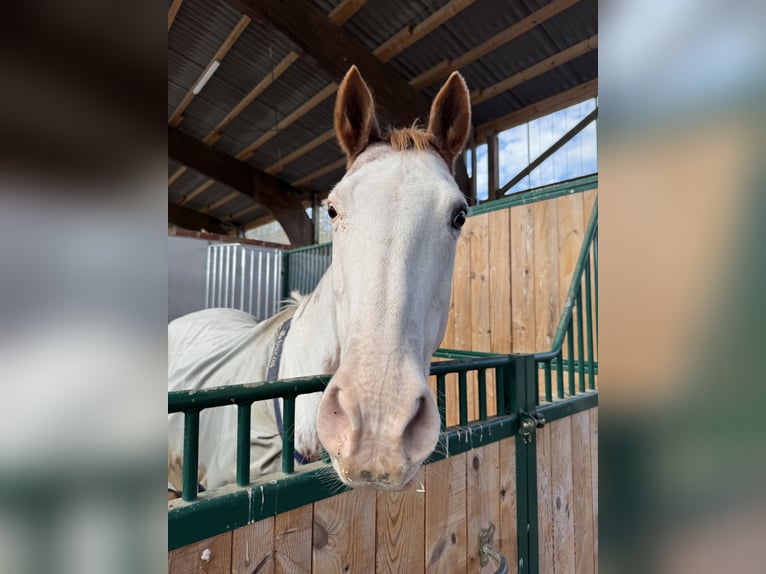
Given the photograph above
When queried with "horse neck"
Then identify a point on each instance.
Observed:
(311, 348)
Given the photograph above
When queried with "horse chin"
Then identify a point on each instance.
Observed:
(375, 485)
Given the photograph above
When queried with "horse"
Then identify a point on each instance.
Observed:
(374, 320)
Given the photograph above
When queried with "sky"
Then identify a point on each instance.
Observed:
(522, 144)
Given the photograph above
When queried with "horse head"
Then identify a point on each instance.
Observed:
(396, 218)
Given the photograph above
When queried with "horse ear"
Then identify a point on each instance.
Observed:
(355, 123)
(450, 118)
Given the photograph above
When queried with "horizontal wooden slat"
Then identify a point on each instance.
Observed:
(173, 12)
(320, 172)
(316, 142)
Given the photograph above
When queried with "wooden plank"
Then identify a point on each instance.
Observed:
(176, 174)
(594, 480)
(334, 49)
(173, 12)
(562, 495)
(400, 532)
(177, 115)
(345, 10)
(241, 212)
(500, 281)
(508, 528)
(196, 191)
(316, 142)
(409, 35)
(547, 302)
(252, 548)
(575, 51)
(480, 301)
(277, 196)
(582, 485)
(211, 556)
(523, 325)
(536, 18)
(569, 223)
(482, 501)
(544, 500)
(446, 543)
(344, 532)
(588, 200)
(554, 103)
(303, 109)
(292, 540)
(223, 201)
(259, 88)
(320, 172)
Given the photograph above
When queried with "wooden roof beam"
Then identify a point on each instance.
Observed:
(279, 197)
(307, 26)
(445, 67)
(478, 96)
(549, 105)
(190, 219)
(173, 12)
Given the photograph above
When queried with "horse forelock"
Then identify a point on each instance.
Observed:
(411, 138)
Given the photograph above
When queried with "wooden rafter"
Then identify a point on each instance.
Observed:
(549, 105)
(445, 67)
(316, 142)
(173, 12)
(478, 96)
(306, 25)
(223, 201)
(320, 172)
(241, 212)
(196, 191)
(408, 35)
(190, 219)
(345, 10)
(177, 115)
(176, 174)
(277, 196)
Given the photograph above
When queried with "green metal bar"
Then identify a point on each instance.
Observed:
(589, 323)
(562, 409)
(560, 374)
(570, 351)
(500, 391)
(316, 247)
(288, 435)
(441, 399)
(463, 395)
(580, 343)
(243, 443)
(179, 401)
(482, 394)
(548, 390)
(325, 457)
(191, 455)
(461, 354)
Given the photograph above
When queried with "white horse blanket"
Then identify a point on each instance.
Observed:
(218, 347)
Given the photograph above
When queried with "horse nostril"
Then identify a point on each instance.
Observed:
(366, 475)
(422, 431)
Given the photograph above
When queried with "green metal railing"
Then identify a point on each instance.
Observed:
(575, 343)
(302, 268)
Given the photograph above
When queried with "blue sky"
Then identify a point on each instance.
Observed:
(522, 144)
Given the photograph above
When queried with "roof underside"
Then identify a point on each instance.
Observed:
(272, 130)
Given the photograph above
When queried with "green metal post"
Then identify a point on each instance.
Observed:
(482, 394)
(548, 389)
(243, 443)
(560, 374)
(191, 455)
(580, 343)
(525, 382)
(288, 435)
(589, 323)
(441, 399)
(463, 395)
(570, 357)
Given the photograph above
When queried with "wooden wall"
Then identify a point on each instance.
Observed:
(513, 268)
(433, 527)
(512, 271)
(567, 492)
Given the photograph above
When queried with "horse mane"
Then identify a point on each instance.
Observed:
(411, 138)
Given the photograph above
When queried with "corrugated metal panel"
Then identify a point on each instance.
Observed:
(239, 203)
(305, 268)
(244, 277)
(184, 185)
(211, 195)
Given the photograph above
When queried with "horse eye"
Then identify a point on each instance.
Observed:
(459, 219)
(331, 211)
